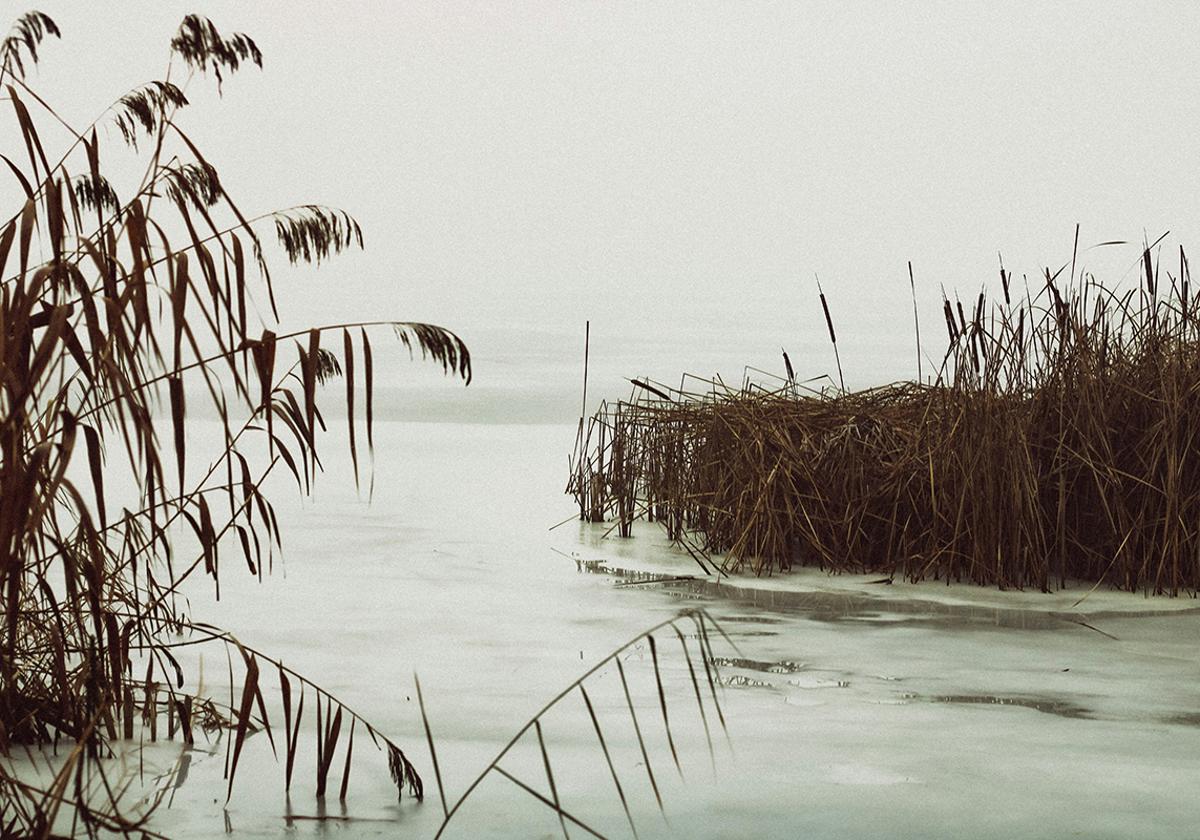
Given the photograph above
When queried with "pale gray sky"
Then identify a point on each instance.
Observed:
(678, 172)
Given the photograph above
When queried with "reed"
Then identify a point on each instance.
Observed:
(1056, 444)
(694, 623)
(121, 306)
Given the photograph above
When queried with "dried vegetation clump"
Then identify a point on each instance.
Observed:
(1057, 443)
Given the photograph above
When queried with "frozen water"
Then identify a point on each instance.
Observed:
(854, 709)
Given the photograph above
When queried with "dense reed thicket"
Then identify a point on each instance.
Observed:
(1057, 443)
(122, 306)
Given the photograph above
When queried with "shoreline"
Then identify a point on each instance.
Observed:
(649, 553)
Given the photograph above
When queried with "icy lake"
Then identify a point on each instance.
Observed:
(854, 709)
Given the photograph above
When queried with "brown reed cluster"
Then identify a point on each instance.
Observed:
(1057, 443)
(122, 306)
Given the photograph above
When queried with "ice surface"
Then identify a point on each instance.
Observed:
(854, 709)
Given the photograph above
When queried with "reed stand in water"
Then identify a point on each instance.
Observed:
(1057, 443)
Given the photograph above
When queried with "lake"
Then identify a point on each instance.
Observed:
(854, 709)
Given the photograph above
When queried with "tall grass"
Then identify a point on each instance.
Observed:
(1057, 443)
(121, 308)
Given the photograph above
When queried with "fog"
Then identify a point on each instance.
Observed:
(678, 174)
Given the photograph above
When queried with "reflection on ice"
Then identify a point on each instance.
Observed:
(1045, 705)
(755, 665)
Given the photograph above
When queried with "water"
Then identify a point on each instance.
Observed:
(854, 709)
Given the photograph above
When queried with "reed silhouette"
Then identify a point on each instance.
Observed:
(120, 312)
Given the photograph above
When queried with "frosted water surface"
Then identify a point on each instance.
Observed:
(853, 709)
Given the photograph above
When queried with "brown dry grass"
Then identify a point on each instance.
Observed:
(1057, 443)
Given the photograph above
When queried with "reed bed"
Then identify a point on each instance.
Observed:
(1054, 445)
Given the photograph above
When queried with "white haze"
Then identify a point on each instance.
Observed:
(679, 174)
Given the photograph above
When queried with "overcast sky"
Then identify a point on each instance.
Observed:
(680, 172)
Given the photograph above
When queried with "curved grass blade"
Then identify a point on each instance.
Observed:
(608, 758)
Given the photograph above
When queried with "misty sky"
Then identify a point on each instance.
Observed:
(678, 172)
